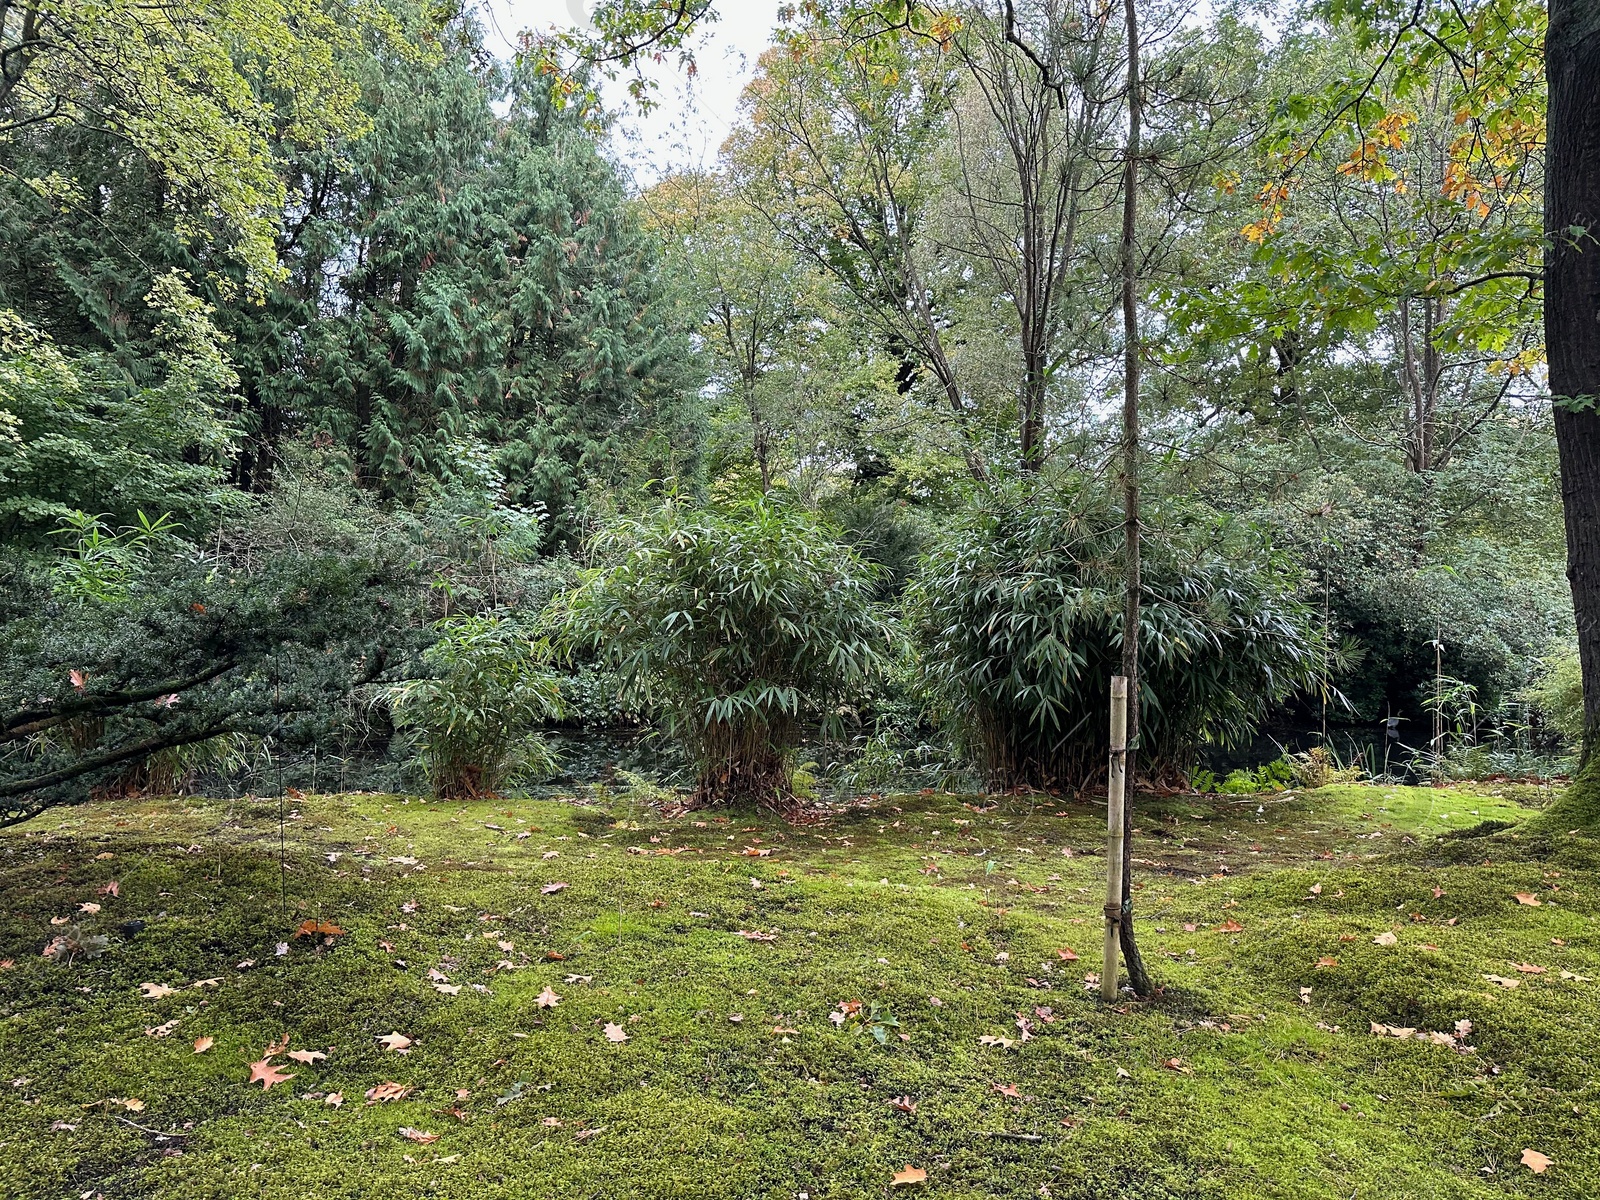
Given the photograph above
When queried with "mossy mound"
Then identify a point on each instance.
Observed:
(934, 921)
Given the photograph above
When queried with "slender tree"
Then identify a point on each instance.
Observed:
(1137, 974)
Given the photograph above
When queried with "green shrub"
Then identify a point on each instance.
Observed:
(1557, 695)
(477, 712)
(1019, 615)
(741, 624)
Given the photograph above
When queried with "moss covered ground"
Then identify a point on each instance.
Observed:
(935, 921)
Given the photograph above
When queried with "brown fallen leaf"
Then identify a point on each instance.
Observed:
(751, 935)
(1508, 984)
(616, 1033)
(309, 1057)
(388, 1093)
(1178, 1065)
(397, 1042)
(1230, 926)
(1007, 1089)
(334, 1099)
(1529, 968)
(911, 1175)
(156, 991)
(551, 889)
(277, 1047)
(989, 1039)
(417, 1136)
(548, 998)
(1327, 962)
(266, 1074)
(1536, 1162)
(89, 906)
(161, 1031)
(903, 1104)
(112, 888)
(1529, 899)
(1067, 954)
(201, 1045)
(1386, 938)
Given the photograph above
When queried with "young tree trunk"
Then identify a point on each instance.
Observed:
(1137, 975)
(1572, 334)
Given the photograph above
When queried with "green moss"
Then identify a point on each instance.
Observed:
(891, 905)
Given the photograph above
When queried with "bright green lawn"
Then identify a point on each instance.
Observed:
(1227, 1086)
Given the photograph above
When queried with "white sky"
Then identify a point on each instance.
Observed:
(695, 116)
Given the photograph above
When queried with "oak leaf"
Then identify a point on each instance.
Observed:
(418, 1136)
(1007, 1089)
(616, 1033)
(1529, 900)
(551, 889)
(266, 1074)
(1386, 938)
(398, 1042)
(548, 998)
(911, 1175)
(1230, 926)
(201, 1045)
(156, 991)
(309, 1057)
(387, 1093)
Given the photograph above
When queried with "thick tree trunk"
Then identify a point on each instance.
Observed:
(1137, 975)
(1572, 334)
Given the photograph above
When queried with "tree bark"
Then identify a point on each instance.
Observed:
(1137, 975)
(1572, 335)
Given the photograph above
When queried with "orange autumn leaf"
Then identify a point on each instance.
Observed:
(266, 1074)
(1536, 1162)
(1066, 954)
(316, 928)
(1230, 926)
(201, 1045)
(1529, 899)
(911, 1175)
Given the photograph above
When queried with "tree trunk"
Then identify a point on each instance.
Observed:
(1572, 334)
(1137, 975)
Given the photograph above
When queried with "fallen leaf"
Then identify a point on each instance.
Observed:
(1007, 1089)
(751, 935)
(903, 1104)
(1386, 938)
(334, 1099)
(1529, 899)
(1393, 1031)
(309, 1057)
(1568, 975)
(398, 1042)
(989, 1039)
(1316, 889)
(417, 1136)
(156, 991)
(1503, 981)
(113, 888)
(277, 1047)
(1536, 1162)
(1230, 926)
(1066, 954)
(551, 889)
(449, 989)
(548, 998)
(201, 1045)
(1178, 1065)
(388, 1093)
(266, 1074)
(1529, 968)
(615, 1033)
(911, 1175)
(161, 1031)
(1327, 962)
(136, 1106)
(89, 906)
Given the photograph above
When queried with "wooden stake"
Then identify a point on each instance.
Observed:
(1116, 792)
